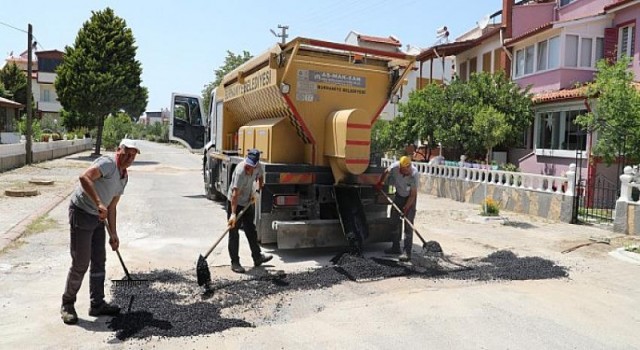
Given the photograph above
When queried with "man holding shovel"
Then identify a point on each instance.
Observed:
(241, 195)
(93, 201)
(405, 178)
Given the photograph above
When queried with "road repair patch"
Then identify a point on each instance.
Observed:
(173, 305)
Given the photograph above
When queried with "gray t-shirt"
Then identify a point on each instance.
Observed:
(107, 186)
(403, 184)
(244, 183)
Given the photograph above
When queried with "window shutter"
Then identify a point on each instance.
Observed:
(610, 44)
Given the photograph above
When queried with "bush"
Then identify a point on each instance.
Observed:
(490, 207)
(116, 127)
(35, 128)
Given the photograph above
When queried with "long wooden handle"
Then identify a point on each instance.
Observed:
(403, 216)
(226, 231)
(126, 272)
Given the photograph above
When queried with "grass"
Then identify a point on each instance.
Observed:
(633, 248)
(41, 224)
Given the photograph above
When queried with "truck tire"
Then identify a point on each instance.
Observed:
(210, 175)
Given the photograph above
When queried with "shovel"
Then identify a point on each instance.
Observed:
(128, 281)
(202, 268)
(425, 246)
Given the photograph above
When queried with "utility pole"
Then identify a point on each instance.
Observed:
(29, 135)
(283, 35)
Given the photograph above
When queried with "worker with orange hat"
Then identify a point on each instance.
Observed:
(405, 178)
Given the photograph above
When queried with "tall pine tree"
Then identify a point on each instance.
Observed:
(100, 74)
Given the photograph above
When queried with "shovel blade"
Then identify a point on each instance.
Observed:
(202, 271)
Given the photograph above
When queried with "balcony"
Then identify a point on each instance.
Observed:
(49, 106)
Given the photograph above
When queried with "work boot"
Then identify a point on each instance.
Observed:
(262, 259)
(405, 257)
(237, 268)
(395, 250)
(104, 309)
(68, 314)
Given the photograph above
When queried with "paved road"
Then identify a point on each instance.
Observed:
(165, 222)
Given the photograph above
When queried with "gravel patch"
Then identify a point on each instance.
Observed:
(173, 305)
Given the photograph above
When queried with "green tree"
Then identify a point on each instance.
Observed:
(15, 83)
(100, 74)
(3, 92)
(231, 62)
(446, 114)
(491, 127)
(615, 118)
(139, 104)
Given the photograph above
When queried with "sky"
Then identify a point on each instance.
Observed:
(181, 43)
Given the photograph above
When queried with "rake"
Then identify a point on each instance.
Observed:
(202, 267)
(127, 281)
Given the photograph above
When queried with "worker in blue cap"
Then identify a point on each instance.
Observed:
(241, 195)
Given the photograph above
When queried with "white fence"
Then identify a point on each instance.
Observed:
(533, 182)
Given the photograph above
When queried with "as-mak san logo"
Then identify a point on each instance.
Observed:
(337, 79)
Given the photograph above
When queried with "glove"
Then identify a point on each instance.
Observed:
(232, 221)
(378, 186)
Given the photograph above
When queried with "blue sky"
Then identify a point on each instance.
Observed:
(181, 43)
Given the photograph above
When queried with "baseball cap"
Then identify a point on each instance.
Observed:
(405, 161)
(253, 157)
(129, 143)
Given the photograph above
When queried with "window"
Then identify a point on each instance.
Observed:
(497, 64)
(571, 51)
(473, 65)
(557, 130)
(486, 62)
(528, 59)
(626, 40)
(574, 137)
(599, 49)
(585, 52)
(525, 59)
(542, 55)
(554, 52)
(463, 71)
(566, 2)
(519, 63)
(46, 95)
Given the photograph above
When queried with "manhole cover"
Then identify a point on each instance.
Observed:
(21, 192)
(41, 182)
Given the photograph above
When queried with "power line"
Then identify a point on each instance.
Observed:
(36, 41)
(12, 27)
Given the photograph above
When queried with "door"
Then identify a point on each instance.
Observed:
(187, 122)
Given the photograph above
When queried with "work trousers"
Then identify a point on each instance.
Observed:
(249, 228)
(398, 223)
(87, 248)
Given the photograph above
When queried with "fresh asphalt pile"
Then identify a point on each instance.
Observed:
(173, 305)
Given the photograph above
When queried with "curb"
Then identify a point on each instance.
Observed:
(16, 231)
(624, 255)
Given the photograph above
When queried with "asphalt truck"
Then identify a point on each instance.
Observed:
(309, 107)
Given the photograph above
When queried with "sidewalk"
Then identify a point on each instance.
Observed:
(19, 212)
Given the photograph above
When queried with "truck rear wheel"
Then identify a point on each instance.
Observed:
(210, 176)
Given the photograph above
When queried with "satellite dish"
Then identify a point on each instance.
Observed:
(484, 22)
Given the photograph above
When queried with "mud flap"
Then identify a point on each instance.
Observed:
(352, 218)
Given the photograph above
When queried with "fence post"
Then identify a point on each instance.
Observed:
(571, 180)
(625, 189)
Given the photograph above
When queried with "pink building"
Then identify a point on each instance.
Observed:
(553, 47)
